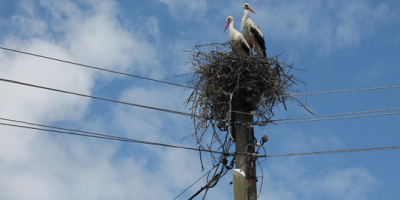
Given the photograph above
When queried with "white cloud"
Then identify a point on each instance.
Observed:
(351, 183)
(357, 21)
(152, 28)
(29, 26)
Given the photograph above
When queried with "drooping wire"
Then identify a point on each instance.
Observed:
(97, 68)
(336, 118)
(99, 136)
(195, 182)
(341, 91)
(211, 183)
(329, 92)
(262, 179)
(218, 174)
(161, 81)
(329, 152)
(189, 114)
(99, 98)
(178, 75)
(340, 114)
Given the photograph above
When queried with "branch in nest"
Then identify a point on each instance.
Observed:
(225, 82)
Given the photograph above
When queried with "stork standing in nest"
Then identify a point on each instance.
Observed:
(238, 43)
(252, 33)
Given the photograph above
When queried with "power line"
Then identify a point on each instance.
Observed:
(180, 85)
(165, 82)
(110, 137)
(59, 128)
(337, 151)
(178, 112)
(340, 114)
(195, 182)
(99, 98)
(178, 75)
(388, 87)
(100, 136)
(341, 91)
(161, 81)
(312, 120)
(182, 113)
(92, 67)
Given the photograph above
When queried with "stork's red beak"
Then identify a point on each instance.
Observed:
(227, 23)
(252, 10)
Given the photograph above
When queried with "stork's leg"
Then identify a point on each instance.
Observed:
(254, 45)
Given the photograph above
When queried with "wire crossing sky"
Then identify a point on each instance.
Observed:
(99, 98)
(92, 67)
(279, 121)
(122, 139)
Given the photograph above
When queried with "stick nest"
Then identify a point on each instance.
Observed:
(226, 83)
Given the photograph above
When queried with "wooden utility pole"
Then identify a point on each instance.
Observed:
(244, 138)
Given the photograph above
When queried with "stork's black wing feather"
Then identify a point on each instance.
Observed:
(260, 40)
(245, 47)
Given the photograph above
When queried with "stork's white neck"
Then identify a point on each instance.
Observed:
(246, 14)
(231, 29)
(244, 19)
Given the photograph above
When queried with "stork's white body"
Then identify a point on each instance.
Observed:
(238, 42)
(252, 33)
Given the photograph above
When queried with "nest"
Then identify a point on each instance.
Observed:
(226, 83)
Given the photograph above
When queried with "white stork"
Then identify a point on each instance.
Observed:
(252, 33)
(238, 43)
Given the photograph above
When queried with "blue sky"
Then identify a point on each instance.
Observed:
(350, 44)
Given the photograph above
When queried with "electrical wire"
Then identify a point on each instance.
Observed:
(103, 136)
(389, 87)
(65, 129)
(92, 67)
(262, 179)
(189, 114)
(341, 91)
(195, 182)
(161, 81)
(110, 137)
(178, 75)
(165, 82)
(180, 85)
(336, 118)
(340, 114)
(329, 152)
(99, 98)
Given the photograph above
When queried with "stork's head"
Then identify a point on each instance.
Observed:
(247, 6)
(228, 21)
